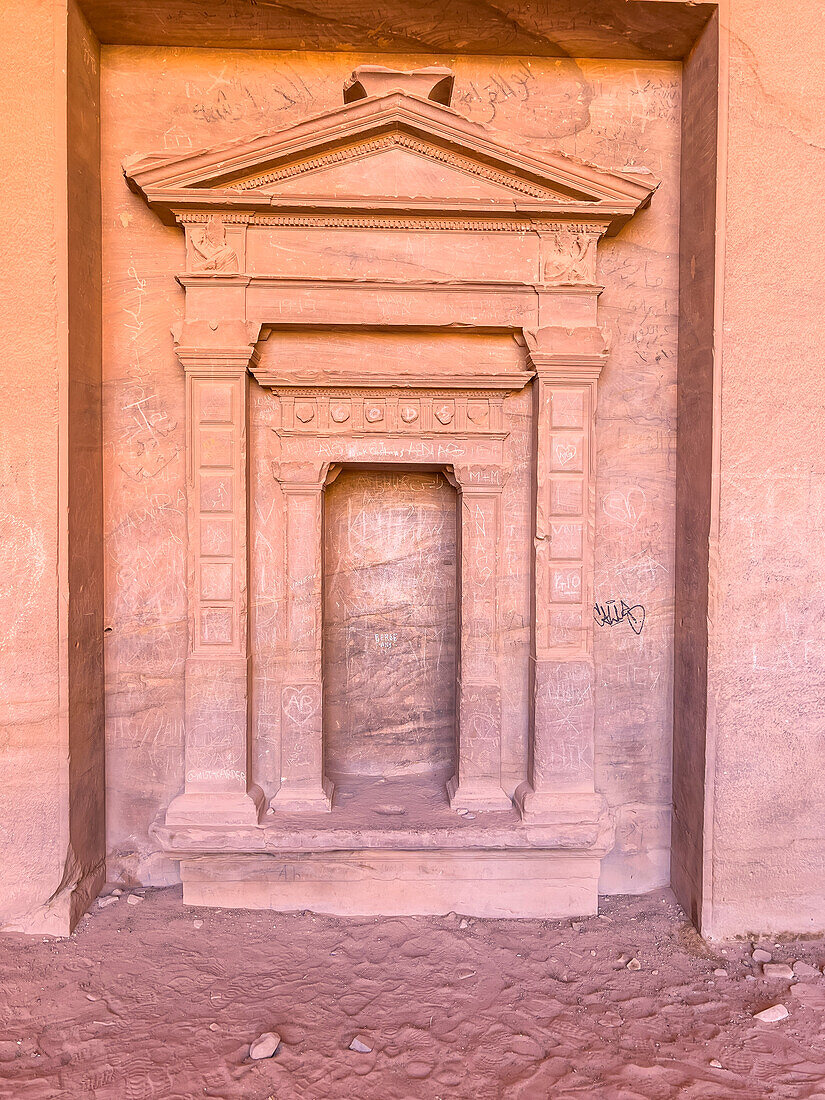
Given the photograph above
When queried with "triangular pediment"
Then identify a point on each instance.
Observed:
(391, 151)
(397, 165)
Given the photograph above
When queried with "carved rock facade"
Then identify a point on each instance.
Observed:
(514, 241)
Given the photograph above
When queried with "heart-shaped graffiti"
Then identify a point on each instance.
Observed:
(565, 453)
(626, 508)
(300, 704)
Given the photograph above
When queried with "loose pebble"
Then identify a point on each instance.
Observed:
(634, 964)
(265, 1045)
(197, 924)
(214, 1027)
(133, 899)
(361, 1045)
(772, 1015)
(715, 1063)
(761, 956)
(777, 970)
(104, 902)
(805, 970)
(720, 972)
(464, 924)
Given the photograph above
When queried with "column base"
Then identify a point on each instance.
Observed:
(477, 796)
(291, 798)
(551, 807)
(217, 808)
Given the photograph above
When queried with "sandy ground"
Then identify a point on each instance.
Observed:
(142, 1003)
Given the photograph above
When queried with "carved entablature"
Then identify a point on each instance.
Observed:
(281, 206)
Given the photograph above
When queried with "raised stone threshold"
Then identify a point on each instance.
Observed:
(393, 846)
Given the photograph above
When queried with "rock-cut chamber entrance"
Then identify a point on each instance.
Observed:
(390, 635)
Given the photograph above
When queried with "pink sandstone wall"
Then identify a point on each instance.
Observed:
(697, 287)
(618, 114)
(765, 818)
(51, 675)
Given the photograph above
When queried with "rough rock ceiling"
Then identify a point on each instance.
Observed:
(549, 28)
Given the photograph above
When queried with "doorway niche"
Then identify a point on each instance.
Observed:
(389, 635)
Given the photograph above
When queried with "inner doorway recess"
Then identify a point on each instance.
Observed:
(390, 632)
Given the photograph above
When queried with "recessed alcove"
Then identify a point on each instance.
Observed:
(421, 651)
(389, 635)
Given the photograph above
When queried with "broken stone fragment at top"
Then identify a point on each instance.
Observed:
(434, 82)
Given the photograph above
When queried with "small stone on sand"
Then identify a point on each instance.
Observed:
(777, 970)
(464, 924)
(197, 924)
(634, 964)
(761, 956)
(715, 1063)
(771, 1015)
(360, 1044)
(214, 1027)
(265, 1045)
(103, 902)
(720, 972)
(805, 970)
(133, 899)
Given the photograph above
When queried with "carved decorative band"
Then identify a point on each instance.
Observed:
(594, 229)
(405, 141)
(372, 221)
(351, 412)
(377, 221)
(201, 217)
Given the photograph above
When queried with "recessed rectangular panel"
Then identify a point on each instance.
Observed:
(216, 492)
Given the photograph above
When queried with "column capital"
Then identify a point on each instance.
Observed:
(488, 480)
(215, 360)
(561, 354)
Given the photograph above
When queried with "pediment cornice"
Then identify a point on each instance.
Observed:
(249, 175)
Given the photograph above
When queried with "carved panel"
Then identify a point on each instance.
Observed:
(388, 411)
(217, 416)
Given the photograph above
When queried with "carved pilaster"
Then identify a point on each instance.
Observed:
(217, 783)
(303, 784)
(477, 782)
(561, 776)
